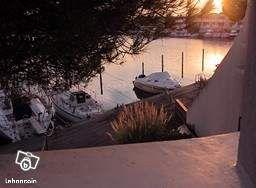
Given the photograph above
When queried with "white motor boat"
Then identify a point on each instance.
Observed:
(41, 118)
(23, 117)
(76, 106)
(156, 83)
(7, 129)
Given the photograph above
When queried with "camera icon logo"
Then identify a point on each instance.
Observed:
(26, 160)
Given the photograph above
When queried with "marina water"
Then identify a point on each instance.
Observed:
(117, 79)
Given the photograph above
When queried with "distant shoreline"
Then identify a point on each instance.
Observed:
(227, 39)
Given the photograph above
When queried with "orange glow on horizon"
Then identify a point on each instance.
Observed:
(217, 5)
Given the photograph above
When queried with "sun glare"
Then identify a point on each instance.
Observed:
(218, 6)
(213, 60)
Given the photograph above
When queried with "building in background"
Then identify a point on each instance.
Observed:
(217, 26)
(207, 26)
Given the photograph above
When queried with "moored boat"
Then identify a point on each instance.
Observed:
(23, 116)
(156, 83)
(76, 106)
(7, 131)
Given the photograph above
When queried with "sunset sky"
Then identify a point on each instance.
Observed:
(217, 3)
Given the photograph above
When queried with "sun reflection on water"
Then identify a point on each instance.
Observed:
(117, 79)
(212, 60)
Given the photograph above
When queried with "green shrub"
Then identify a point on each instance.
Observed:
(141, 122)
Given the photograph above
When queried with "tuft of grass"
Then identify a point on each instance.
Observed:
(141, 122)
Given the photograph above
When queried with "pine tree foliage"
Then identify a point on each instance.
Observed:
(58, 43)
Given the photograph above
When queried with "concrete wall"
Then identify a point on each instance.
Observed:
(217, 108)
(247, 145)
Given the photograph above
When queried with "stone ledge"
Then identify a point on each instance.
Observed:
(198, 162)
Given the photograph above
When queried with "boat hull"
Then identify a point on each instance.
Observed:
(72, 117)
(142, 94)
(149, 88)
(66, 115)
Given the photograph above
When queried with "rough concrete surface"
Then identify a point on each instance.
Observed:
(199, 162)
(247, 145)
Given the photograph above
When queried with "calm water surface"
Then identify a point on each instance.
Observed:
(117, 79)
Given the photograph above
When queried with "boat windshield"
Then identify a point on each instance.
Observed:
(80, 97)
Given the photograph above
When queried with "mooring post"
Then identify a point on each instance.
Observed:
(162, 63)
(203, 60)
(101, 84)
(182, 65)
(143, 68)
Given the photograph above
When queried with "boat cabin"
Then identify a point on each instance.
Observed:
(79, 97)
(21, 108)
